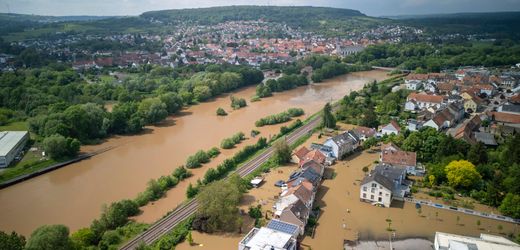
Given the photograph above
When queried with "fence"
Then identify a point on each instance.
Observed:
(464, 210)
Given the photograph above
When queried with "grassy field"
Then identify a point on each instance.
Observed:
(24, 167)
(15, 126)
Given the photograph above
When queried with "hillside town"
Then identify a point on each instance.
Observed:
(235, 42)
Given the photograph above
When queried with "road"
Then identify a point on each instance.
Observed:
(187, 209)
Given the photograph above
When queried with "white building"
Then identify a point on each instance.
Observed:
(446, 241)
(11, 144)
(391, 128)
(413, 84)
(343, 143)
(267, 239)
(376, 188)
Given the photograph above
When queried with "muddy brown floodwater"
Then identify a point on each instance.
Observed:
(74, 195)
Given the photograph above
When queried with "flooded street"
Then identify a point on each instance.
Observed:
(73, 195)
(340, 195)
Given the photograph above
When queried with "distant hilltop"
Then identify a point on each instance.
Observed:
(285, 14)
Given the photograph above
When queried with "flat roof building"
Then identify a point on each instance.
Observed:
(446, 241)
(11, 144)
(267, 239)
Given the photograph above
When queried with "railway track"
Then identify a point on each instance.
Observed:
(187, 209)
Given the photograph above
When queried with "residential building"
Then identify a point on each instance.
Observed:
(284, 227)
(393, 155)
(267, 239)
(446, 241)
(487, 138)
(297, 214)
(391, 128)
(343, 144)
(413, 125)
(471, 101)
(363, 133)
(304, 155)
(11, 145)
(416, 101)
(384, 184)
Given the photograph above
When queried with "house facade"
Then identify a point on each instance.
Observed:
(391, 128)
(343, 144)
(375, 188)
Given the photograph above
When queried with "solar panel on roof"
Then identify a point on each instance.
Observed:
(283, 227)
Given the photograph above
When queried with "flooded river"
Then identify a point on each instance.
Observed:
(74, 195)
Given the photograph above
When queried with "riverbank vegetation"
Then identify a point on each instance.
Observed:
(237, 103)
(221, 112)
(232, 141)
(280, 117)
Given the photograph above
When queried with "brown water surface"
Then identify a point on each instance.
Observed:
(74, 195)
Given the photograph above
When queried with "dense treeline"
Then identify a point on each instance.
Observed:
(59, 102)
(230, 142)
(436, 57)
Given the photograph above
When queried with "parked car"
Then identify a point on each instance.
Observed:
(279, 183)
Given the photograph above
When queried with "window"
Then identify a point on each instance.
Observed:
(380, 193)
(373, 190)
(374, 185)
(380, 199)
(365, 188)
(371, 197)
(364, 195)
(387, 195)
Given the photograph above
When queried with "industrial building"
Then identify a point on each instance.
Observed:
(11, 144)
(446, 241)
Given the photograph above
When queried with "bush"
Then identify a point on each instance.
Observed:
(213, 152)
(221, 112)
(57, 146)
(181, 173)
(255, 98)
(176, 236)
(237, 103)
(196, 160)
(294, 112)
(232, 141)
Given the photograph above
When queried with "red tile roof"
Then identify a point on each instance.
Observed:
(301, 153)
(425, 98)
(505, 117)
(398, 157)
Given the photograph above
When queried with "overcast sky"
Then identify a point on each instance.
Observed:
(369, 7)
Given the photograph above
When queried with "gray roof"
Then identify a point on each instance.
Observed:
(346, 137)
(389, 171)
(283, 227)
(486, 138)
(511, 108)
(9, 140)
(381, 179)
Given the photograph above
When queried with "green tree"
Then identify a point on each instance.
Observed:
(329, 121)
(11, 241)
(218, 207)
(153, 110)
(57, 146)
(462, 174)
(477, 154)
(83, 238)
(282, 152)
(50, 237)
(511, 206)
(191, 191)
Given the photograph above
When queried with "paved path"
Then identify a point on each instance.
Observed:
(187, 209)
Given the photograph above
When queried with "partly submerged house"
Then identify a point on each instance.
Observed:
(384, 184)
(393, 155)
(343, 144)
(391, 128)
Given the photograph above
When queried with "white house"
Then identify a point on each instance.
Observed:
(376, 188)
(424, 101)
(384, 184)
(343, 143)
(391, 128)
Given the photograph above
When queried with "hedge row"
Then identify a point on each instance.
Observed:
(280, 117)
